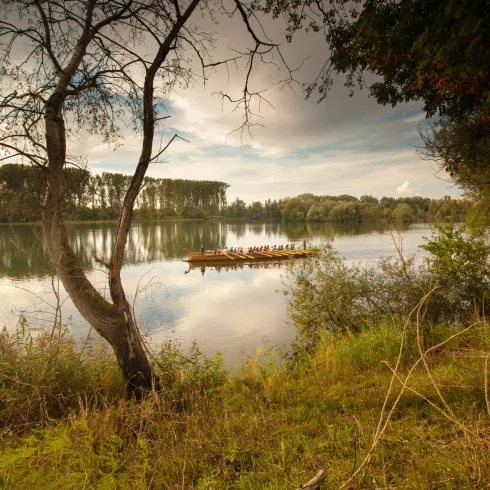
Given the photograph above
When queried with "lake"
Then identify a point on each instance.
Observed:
(232, 310)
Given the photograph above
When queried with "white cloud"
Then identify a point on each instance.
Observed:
(409, 189)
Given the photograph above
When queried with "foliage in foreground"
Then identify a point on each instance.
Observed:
(263, 427)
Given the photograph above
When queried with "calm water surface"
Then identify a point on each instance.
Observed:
(232, 310)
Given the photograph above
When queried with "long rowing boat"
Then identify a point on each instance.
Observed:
(210, 256)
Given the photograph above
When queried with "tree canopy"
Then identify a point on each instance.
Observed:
(90, 196)
(436, 51)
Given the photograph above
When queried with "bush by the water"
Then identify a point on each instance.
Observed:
(328, 295)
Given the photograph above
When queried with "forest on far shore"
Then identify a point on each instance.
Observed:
(91, 197)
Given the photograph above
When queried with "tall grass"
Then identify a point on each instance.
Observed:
(261, 427)
(48, 376)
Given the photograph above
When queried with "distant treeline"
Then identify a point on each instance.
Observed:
(100, 197)
(350, 209)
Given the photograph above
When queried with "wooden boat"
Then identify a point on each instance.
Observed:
(210, 256)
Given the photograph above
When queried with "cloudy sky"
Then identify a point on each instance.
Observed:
(343, 145)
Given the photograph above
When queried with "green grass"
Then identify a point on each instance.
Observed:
(263, 427)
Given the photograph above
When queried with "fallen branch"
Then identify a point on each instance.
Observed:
(315, 482)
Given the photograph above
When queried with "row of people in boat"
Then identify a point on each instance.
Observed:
(274, 248)
(246, 250)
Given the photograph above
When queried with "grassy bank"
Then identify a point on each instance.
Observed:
(65, 424)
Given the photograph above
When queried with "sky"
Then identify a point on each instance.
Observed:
(342, 145)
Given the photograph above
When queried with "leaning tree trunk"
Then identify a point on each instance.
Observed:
(115, 321)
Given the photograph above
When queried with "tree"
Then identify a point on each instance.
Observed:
(369, 199)
(81, 68)
(461, 149)
(237, 209)
(346, 211)
(297, 207)
(403, 213)
(256, 210)
(436, 51)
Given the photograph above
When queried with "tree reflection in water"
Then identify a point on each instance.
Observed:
(22, 253)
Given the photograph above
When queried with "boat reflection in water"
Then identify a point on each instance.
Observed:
(235, 266)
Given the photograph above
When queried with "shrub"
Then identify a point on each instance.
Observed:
(327, 295)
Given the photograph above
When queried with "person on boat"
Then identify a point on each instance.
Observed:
(225, 250)
(304, 243)
(202, 249)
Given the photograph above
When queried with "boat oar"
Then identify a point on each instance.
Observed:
(266, 254)
(232, 258)
(245, 255)
(281, 253)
